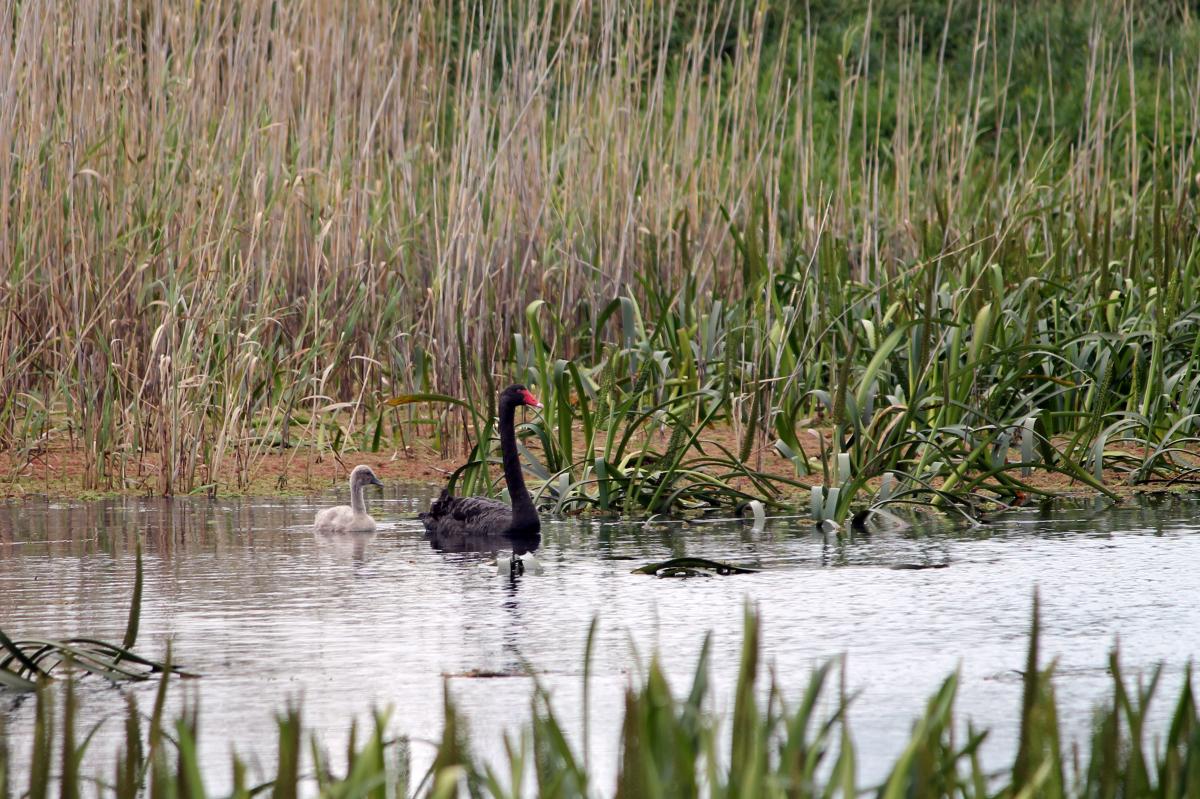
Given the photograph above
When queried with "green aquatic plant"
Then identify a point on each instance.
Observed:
(781, 740)
(692, 567)
(25, 662)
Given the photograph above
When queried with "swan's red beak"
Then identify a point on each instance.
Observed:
(529, 399)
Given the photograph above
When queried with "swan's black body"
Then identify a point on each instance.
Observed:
(454, 521)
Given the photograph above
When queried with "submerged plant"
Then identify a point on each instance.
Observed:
(25, 662)
(692, 567)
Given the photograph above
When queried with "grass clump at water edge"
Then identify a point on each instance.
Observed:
(673, 745)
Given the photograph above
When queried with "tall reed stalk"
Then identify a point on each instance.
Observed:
(231, 226)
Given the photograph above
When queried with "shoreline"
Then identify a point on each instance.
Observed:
(58, 473)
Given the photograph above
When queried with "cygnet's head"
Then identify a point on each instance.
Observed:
(363, 476)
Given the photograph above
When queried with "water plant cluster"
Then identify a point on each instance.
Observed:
(910, 251)
(671, 744)
(26, 663)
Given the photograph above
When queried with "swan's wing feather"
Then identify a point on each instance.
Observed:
(438, 508)
(451, 515)
(341, 518)
(473, 509)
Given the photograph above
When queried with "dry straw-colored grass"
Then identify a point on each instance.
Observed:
(227, 222)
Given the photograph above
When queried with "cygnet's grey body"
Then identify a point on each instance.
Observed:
(352, 518)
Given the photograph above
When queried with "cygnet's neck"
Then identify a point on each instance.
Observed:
(358, 502)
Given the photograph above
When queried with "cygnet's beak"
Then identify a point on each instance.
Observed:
(376, 482)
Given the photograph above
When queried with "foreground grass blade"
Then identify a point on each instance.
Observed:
(676, 745)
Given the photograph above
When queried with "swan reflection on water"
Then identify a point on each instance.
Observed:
(497, 545)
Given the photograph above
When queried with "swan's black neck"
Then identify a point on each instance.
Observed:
(524, 515)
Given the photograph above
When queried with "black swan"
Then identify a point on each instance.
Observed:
(472, 523)
(352, 517)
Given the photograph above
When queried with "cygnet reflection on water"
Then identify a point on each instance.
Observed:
(350, 543)
(352, 517)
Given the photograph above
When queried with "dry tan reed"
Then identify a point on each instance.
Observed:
(224, 220)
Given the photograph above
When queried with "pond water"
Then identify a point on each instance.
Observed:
(267, 611)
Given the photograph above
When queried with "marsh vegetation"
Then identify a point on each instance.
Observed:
(960, 244)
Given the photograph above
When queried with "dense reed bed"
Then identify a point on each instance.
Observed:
(671, 744)
(961, 244)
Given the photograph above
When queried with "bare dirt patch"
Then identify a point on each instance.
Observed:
(62, 470)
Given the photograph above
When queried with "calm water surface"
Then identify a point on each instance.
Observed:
(268, 611)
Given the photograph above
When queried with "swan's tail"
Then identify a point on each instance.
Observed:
(439, 508)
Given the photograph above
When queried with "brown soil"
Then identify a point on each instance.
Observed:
(62, 471)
